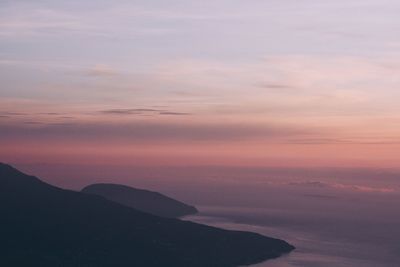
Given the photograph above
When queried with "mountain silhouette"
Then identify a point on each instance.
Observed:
(42, 225)
(143, 200)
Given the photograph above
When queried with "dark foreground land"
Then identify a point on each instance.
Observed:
(42, 225)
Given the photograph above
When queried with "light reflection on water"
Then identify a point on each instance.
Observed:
(313, 248)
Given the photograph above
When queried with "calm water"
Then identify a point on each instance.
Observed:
(330, 227)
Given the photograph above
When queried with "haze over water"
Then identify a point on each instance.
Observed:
(333, 225)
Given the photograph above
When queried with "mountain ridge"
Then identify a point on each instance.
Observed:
(43, 225)
(140, 199)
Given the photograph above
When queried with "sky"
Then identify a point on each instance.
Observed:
(278, 83)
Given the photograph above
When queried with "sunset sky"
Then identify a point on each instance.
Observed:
(295, 83)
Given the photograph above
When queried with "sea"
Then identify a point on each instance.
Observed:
(331, 222)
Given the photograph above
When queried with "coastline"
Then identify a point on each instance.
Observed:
(312, 249)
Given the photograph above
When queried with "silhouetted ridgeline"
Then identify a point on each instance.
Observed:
(42, 225)
(143, 200)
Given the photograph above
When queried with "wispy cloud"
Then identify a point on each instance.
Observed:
(129, 111)
(102, 70)
(341, 186)
(11, 113)
(174, 113)
(275, 86)
(141, 111)
(21, 20)
(147, 131)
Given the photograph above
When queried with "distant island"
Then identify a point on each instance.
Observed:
(143, 200)
(42, 225)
